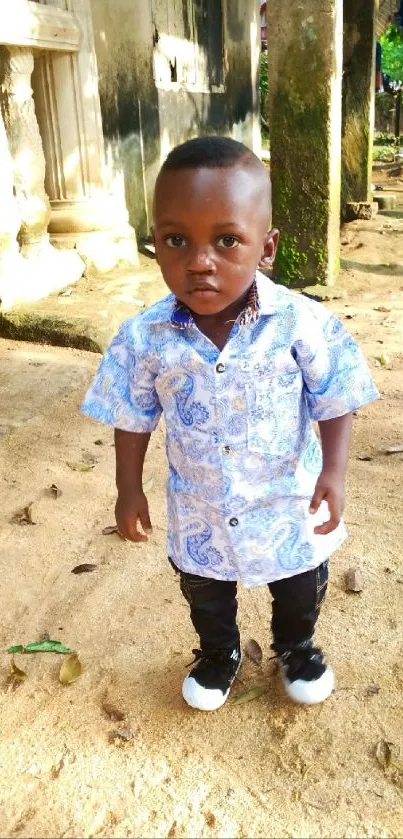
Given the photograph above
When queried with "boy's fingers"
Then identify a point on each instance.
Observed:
(145, 520)
(333, 521)
(316, 500)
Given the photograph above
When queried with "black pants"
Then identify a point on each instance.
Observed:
(295, 608)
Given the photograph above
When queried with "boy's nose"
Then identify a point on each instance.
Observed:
(200, 261)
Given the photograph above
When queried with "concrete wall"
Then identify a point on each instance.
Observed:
(142, 118)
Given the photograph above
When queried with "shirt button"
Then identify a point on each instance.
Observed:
(233, 522)
(227, 449)
(220, 368)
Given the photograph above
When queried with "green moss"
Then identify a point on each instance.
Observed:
(300, 162)
(290, 262)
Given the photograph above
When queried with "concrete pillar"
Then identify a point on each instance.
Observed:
(358, 99)
(12, 265)
(305, 75)
(26, 151)
(42, 268)
(83, 212)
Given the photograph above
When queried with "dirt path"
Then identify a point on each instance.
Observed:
(265, 768)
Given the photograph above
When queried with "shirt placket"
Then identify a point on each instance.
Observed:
(226, 367)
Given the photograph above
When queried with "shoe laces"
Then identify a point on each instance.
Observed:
(297, 657)
(221, 660)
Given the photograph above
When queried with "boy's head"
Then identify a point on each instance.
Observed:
(212, 218)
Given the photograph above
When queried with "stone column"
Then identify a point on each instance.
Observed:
(305, 74)
(83, 212)
(26, 151)
(12, 265)
(358, 99)
(45, 268)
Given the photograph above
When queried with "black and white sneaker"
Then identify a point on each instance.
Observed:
(208, 684)
(306, 676)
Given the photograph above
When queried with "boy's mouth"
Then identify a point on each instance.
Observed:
(203, 290)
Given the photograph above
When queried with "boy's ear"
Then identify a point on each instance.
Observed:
(270, 244)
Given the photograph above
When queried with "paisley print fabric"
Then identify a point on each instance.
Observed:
(243, 453)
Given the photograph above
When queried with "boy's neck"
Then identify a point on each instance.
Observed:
(217, 327)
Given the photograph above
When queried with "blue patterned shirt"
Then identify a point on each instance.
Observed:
(243, 454)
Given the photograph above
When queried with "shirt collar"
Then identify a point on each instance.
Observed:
(260, 301)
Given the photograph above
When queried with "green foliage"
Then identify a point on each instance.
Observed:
(263, 81)
(392, 52)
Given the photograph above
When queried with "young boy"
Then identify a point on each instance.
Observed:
(239, 367)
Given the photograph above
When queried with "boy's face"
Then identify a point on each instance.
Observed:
(211, 232)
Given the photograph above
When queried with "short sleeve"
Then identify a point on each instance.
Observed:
(335, 374)
(123, 392)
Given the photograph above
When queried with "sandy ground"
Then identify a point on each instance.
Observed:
(263, 768)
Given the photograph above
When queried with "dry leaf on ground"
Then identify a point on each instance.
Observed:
(70, 670)
(113, 712)
(396, 449)
(253, 651)
(387, 756)
(249, 695)
(80, 467)
(122, 734)
(23, 516)
(54, 491)
(15, 672)
(84, 568)
(112, 528)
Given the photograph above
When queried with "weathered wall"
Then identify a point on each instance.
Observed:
(304, 69)
(143, 119)
(358, 99)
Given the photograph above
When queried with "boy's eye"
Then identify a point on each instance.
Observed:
(175, 241)
(228, 242)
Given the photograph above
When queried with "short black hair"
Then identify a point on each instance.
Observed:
(210, 152)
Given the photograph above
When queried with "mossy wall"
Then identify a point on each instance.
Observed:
(358, 99)
(304, 71)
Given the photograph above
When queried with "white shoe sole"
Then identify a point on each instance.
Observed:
(310, 693)
(203, 699)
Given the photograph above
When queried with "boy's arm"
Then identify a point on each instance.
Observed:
(335, 436)
(131, 504)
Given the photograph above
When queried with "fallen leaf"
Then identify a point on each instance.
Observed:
(16, 673)
(372, 690)
(98, 442)
(383, 753)
(24, 516)
(84, 568)
(112, 528)
(147, 487)
(396, 449)
(47, 646)
(247, 696)
(354, 581)
(80, 467)
(365, 457)
(381, 309)
(55, 491)
(57, 768)
(112, 712)
(124, 734)
(253, 651)
(70, 670)
(384, 360)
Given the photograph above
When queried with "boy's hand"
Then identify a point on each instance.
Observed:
(130, 511)
(329, 488)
